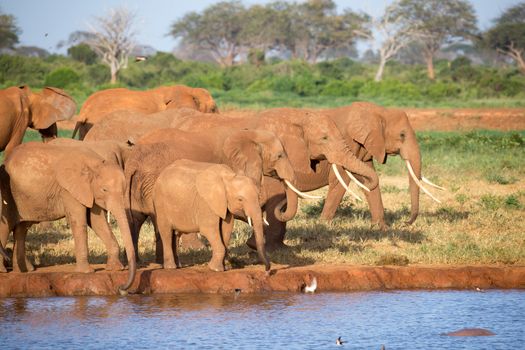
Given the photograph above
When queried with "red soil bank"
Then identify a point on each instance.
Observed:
(60, 281)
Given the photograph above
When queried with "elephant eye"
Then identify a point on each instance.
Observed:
(325, 138)
(402, 136)
(104, 189)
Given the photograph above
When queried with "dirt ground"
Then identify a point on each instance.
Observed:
(446, 119)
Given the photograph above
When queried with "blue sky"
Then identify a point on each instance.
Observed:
(59, 18)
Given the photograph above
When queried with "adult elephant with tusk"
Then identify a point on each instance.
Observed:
(308, 138)
(376, 132)
(251, 153)
(100, 104)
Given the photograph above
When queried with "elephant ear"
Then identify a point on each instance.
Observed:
(367, 128)
(75, 176)
(296, 148)
(50, 106)
(211, 188)
(245, 154)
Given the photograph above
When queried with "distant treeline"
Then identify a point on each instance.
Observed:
(280, 82)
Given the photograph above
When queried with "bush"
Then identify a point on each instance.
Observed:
(439, 90)
(98, 74)
(62, 77)
(391, 88)
(19, 70)
(343, 88)
(82, 53)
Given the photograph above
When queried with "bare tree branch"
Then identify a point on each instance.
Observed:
(112, 38)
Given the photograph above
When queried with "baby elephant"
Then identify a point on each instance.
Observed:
(201, 197)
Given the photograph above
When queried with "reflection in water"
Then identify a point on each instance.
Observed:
(400, 320)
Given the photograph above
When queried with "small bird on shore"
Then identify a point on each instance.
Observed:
(339, 341)
(312, 286)
(237, 292)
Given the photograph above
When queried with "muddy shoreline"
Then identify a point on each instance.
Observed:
(46, 282)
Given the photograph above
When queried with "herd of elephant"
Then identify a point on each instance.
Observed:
(168, 154)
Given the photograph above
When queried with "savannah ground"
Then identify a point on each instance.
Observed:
(481, 220)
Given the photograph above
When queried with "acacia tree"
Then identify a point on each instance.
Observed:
(438, 22)
(218, 29)
(508, 35)
(112, 37)
(396, 32)
(9, 31)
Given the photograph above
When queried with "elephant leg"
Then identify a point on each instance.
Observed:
(19, 249)
(377, 210)
(76, 217)
(137, 220)
(175, 247)
(226, 229)
(101, 227)
(334, 196)
(4, 235)
(375, 203)
(165, 232)
(212, 234)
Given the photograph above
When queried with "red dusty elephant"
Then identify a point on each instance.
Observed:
(21, 108)
(101, 103)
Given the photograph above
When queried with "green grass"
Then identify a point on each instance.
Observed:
(234, 99)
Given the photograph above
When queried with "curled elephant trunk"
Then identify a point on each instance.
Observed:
(345, 158)
(122, 220)
(292, 204)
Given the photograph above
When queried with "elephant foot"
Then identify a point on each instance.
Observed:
(114, 266)
(381, 225)
(84, 269)
(29, 266)
(169, 265)
(215, 266)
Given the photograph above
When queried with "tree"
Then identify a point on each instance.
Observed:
(508, 35)
(437, 22)
(82, 53)
(325, 30)
(112, 38)
(218, 29)
(396, 32)
(9, 31)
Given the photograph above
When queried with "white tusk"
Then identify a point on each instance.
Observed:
(250, 221)
(266, 221)
(340, 178)
(107, 215)
(427, 181)
(4, 202)
(358, 183)
(301, 194)
(414, 177)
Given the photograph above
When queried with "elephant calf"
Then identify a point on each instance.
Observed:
(202, 197)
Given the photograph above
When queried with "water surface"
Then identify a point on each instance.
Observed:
(399, 320)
